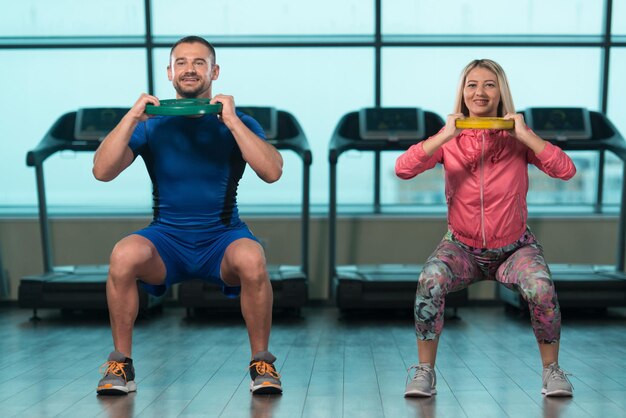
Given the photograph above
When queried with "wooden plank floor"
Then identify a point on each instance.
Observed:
(488, 366)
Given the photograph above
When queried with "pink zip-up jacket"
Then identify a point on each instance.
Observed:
(486, 173)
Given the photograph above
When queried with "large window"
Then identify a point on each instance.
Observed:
(316, 60)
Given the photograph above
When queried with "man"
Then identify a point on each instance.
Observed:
(195, 164)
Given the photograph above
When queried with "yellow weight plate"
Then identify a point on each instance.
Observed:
(485, 123)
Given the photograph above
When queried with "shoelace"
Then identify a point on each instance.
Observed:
(560, 374)
(114, 367)
(420, 372)
(265, 368)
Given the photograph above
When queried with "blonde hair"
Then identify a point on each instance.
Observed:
(506, 100)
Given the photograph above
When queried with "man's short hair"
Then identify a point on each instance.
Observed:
(192, 40)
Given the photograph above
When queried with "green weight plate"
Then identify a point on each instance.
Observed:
(184, 107)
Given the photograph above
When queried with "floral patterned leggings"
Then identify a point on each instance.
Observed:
(519, 266)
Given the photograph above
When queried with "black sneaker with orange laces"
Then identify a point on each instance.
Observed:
(265, 378)
(119, 375)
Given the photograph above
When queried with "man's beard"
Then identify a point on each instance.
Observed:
(188, 94)
(191, 93)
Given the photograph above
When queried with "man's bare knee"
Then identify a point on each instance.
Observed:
(250, 269)
(247, 264)
(127, 258)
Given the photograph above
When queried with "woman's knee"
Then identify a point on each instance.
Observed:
(539, 291)
(434, 280)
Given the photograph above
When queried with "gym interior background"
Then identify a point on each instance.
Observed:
(317, 60)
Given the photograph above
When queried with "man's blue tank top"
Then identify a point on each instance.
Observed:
(195, 166)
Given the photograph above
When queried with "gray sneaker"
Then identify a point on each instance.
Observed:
(423, 381)
(555, 382)
(265, 378)
(119, 375)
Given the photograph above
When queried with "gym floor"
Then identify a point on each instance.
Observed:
(331, 365)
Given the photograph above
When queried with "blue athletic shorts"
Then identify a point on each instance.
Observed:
(192, 254)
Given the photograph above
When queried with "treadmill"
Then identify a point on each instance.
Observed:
(72, 287)
(583, 285)
(377, 286)
(289, 282)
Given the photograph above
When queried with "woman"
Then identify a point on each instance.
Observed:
(486, 174)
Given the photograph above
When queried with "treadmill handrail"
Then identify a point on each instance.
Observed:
(611, 140)
(339, 143)
(51, 144)
(297, 143)
(608, 138)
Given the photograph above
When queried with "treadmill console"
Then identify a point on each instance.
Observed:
(391, 124)
(93, 124)
(266, 116)
(559, 123)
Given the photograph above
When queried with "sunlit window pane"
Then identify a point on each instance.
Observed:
(492, 17)
(40, 18)
(72, 79)
(269, 17)
(618, 26)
